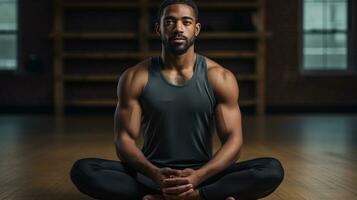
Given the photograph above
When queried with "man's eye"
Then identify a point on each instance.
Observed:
(187, 22)
(168, 22)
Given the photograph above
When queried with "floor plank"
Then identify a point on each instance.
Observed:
(318, 153)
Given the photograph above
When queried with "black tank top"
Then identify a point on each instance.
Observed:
(177, 121)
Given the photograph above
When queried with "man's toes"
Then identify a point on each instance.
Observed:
(153, 197)
(230, 198)
(149, 197)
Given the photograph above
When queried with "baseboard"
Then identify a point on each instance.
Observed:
(26, 110)
(311, 109)
(245, 110)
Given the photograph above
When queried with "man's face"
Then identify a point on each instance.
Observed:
(178, 28)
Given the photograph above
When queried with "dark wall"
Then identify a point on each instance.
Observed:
(286, 86)
(23, 88)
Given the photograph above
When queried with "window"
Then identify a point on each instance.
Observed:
(325, 35)
(8, 34)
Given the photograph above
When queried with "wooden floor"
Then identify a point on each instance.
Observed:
(318, 152)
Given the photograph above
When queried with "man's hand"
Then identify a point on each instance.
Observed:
(164, 173)
(181, 186)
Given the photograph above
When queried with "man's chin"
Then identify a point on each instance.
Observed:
(178, 51)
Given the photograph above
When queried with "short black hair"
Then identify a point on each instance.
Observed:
(166, 3)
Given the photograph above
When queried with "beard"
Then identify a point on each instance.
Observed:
(178, 49)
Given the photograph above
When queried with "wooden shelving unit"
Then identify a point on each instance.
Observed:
(142, 36)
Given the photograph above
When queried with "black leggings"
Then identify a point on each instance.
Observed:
(107, 179)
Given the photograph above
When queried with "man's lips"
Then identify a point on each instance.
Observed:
(178, 38)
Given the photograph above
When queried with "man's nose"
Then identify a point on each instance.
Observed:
(179, 27)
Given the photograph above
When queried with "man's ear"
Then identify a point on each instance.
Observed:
(157, 29)
(197, 29)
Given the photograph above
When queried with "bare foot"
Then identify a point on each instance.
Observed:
(153, 197)
(230, 198)
(195, 195)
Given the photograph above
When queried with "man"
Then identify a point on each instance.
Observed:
(176, 100)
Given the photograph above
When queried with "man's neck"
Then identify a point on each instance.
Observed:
(179, 62)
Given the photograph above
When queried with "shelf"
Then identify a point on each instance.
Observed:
(133, 35)
(100, 5)
(217, 4)
(103, 55)
(98, 35)
(123, 5)
(230, 54)
(246, 77)
(115, 78)
(247, 102)
(232, 35)
(91, 78)
(103, 102)
(113, 102)
(143, 38)
(137, 55)
(225, 35)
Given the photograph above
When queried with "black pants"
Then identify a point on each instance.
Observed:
(106, 179)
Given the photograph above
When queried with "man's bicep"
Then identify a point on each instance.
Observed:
(228, 121)
(128, 111)
(227, 112)
(127, 119)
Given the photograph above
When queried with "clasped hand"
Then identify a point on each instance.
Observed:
(177, 184)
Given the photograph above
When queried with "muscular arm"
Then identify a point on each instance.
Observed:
(127, 124)
(228, 123)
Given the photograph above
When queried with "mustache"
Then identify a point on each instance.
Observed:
(177, 36)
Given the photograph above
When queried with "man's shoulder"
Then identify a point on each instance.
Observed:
(135, 78)
(217, 73)
(138, 70)
(222, 81)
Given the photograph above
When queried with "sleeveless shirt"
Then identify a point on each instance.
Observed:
(177, 120)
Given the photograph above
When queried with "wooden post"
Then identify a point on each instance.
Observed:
(260, 60)
(58, 86)
(144, 28)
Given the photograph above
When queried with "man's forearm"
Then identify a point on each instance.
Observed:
(132, 156)
(224, 157)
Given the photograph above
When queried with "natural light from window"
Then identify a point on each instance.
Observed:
(8, 34)
(325, 34)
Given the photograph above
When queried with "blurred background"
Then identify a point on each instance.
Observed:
(295, 62)
(291, 57)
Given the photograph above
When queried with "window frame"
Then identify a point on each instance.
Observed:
(16, 33)
(351, 47)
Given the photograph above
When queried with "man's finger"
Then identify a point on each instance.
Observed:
(187, 193)
(177, 189)
(170, 182)
(170, 172)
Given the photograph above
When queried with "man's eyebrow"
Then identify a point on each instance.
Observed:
(190, 18)
(169, 17)
(174, 18)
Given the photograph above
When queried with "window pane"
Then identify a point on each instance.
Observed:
(325, 34)
(313, 51)
(313, 16)
(8, 34)
(8, 51)
(336, 52)
(336, 15)
(8, 17)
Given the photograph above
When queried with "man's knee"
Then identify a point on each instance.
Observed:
(80, 169)
(277, 170)
(273, 172)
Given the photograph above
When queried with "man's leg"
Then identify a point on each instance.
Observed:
(251, 179)
(107, 179)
